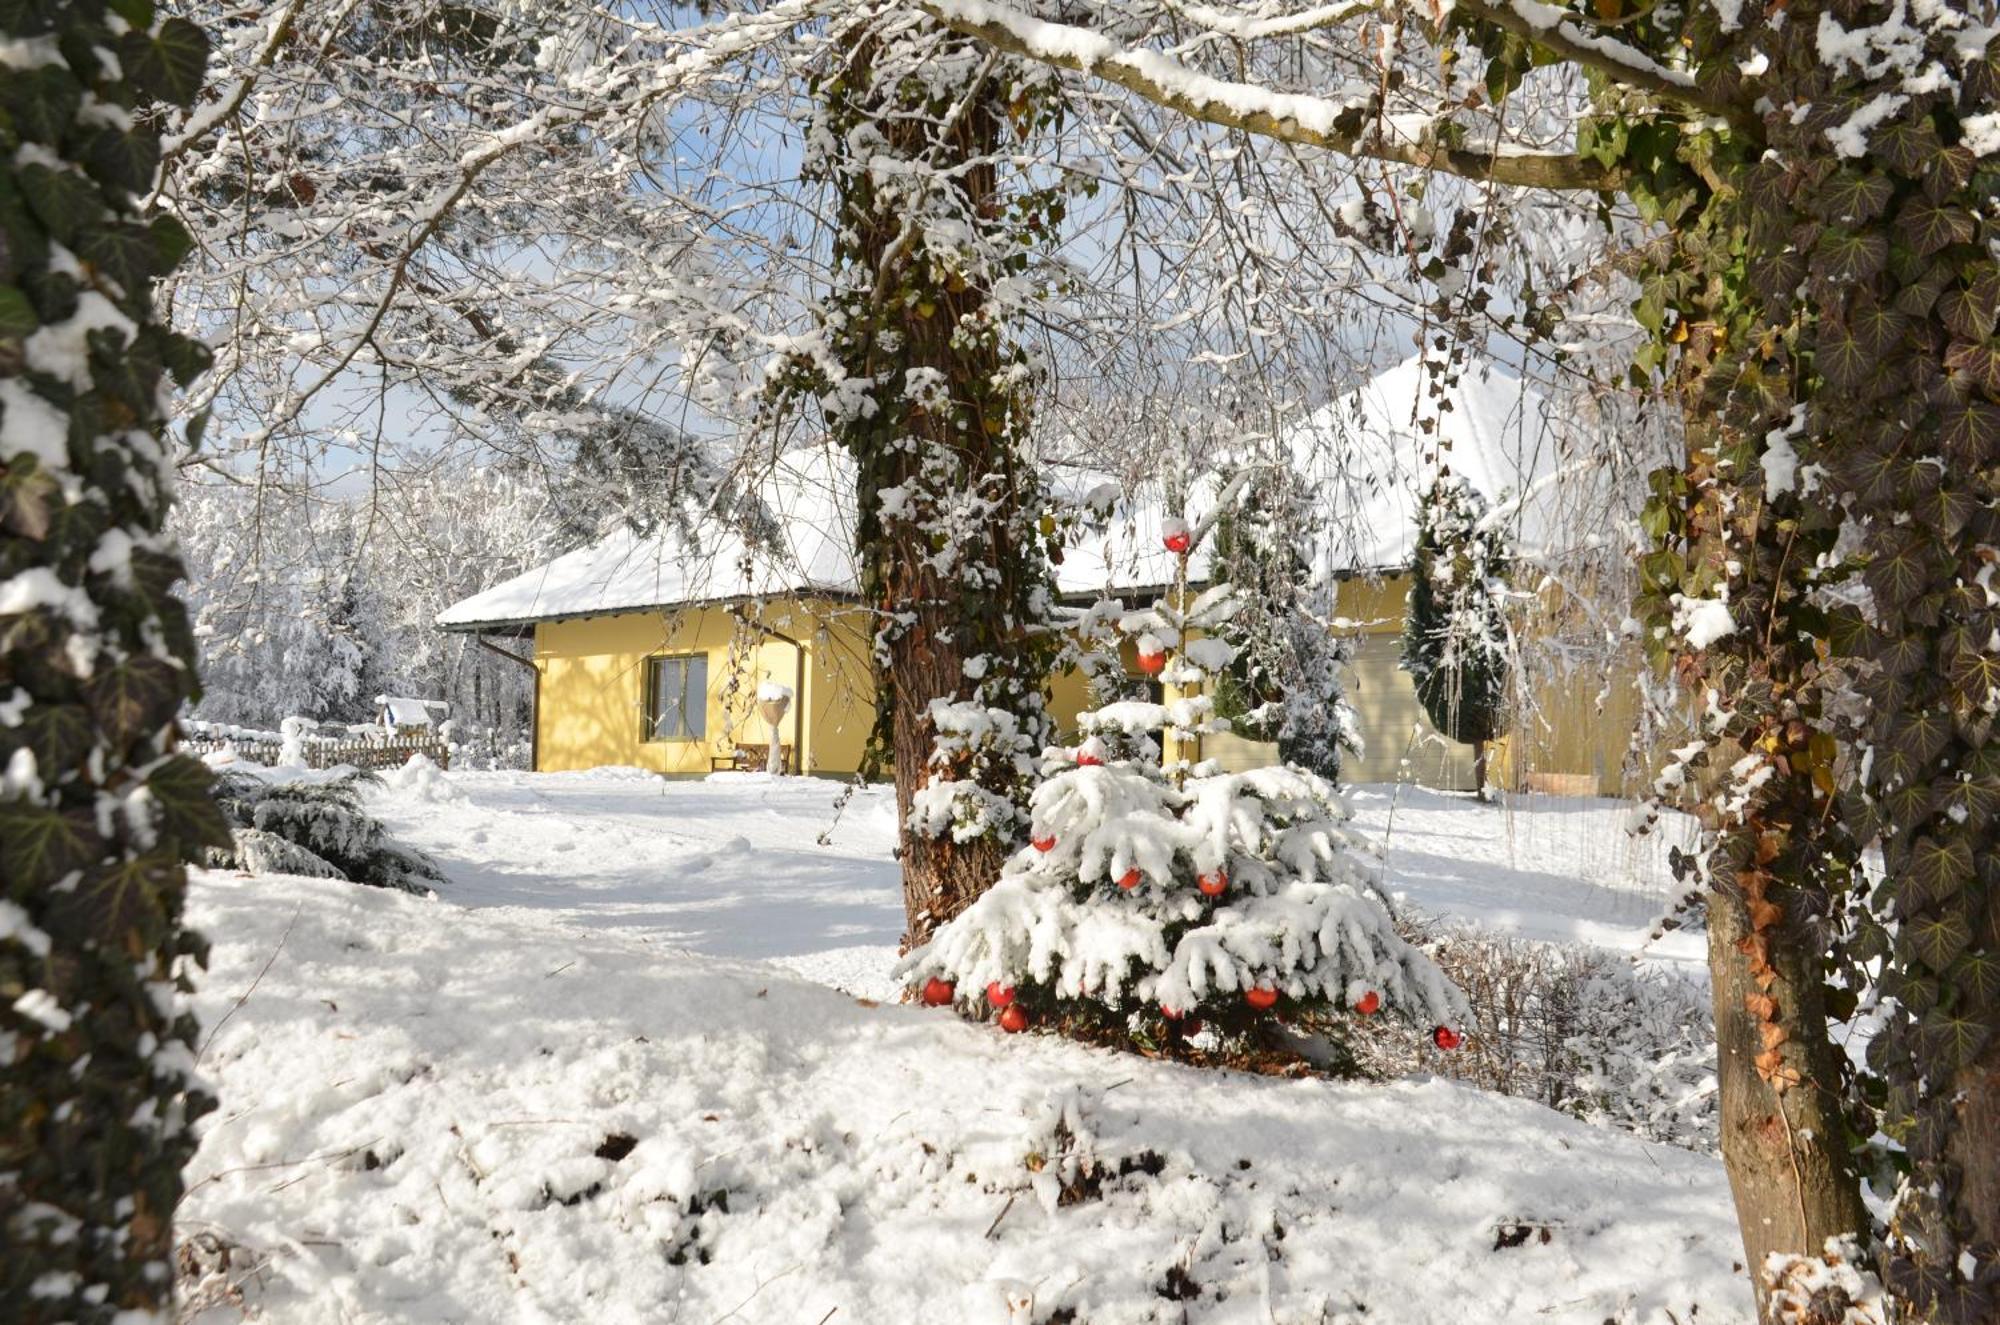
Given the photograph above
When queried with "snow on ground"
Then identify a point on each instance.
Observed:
(532, 1113)
(731, 865)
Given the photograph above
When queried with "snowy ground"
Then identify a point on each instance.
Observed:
(543, 1109)
(731, 865)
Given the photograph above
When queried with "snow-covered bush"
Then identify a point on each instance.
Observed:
(1142, 909)
(315, 825)
(1578, 1029)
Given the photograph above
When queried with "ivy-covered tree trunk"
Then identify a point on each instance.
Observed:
(1779, 863)
(97, 814)
(931, 398)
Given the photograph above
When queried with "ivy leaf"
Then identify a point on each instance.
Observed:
(1938, 937)
(1953, 1039)
(1907, 144)
(168, 64)
(1917, 297)
(40, 845)
(59, 735)
(42, 101)
(1931, 226)
(1779, 275)
(123, 251)
(1946, 510)
(1977, 360)
(17, 315)
(1853, 197)
(1976, 976)
(1971, 433)
(1877, 327)
(27, 498)
(62, 200)
(171, 242)
(1899, 571)
(1899, 653)
(1843, 361)
(1976, 798)
(134, 698)
(1974, 679)
(1940, 867)
(187, 813)
(1848, 257)
(124, 899)
(1967, 314)
(125, 161)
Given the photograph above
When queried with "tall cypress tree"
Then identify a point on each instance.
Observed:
(1455, 635)
(97, 814)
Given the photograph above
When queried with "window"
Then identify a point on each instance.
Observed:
(677, 698)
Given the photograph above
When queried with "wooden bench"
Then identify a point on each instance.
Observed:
(746, 758)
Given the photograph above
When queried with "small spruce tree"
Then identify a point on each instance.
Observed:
(1154, 901)
(1455, 637)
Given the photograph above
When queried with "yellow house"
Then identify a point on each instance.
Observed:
(652, 651)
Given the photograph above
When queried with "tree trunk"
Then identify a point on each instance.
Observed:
(97, 1096)
(1787, 1168)
(954, 561)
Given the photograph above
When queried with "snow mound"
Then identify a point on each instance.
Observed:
(431, 1113)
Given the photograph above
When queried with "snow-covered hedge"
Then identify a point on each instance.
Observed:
(1578, 1029)
(289, 821)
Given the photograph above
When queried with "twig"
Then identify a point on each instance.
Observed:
(244, 997)
(1003, 1213)
(828, 1316)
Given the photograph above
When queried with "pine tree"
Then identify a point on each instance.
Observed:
(1288, 683)
(1455, 633)
(1155, 900)
(97, 814)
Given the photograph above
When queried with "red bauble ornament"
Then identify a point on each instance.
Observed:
(1152, 664)
(1192, 1026)
(1084, 759)
(1171, 1014)
(1129, 880)
(1044, 843)
(1261, 997)
(1013, 1019)
(1368, 1005)
(938, 993)
(1176, 537)
(1444, 1037)
(999, 995)
(1212, 885)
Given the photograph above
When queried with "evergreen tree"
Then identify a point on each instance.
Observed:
(1288, 682)
(1455, 630)
(1154, 901)
(97, 814)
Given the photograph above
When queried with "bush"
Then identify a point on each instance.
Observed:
(1578, 1029)
(315, 826)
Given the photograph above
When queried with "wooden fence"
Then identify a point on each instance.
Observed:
(390, 750)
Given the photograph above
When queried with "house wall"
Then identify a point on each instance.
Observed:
(591, 709)
(1575, 728)
(592, 704)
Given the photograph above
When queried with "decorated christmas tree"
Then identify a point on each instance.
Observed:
(1160, 900)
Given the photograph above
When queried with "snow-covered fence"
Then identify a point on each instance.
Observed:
(362, 747)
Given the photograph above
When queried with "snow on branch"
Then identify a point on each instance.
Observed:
(1347, 126)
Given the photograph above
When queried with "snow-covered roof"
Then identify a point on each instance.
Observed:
(810, 492)
(1364, 454)
(1369, 462)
